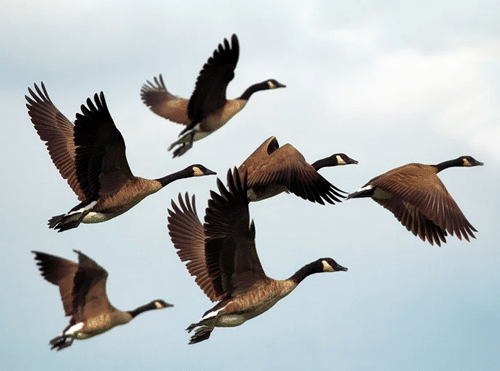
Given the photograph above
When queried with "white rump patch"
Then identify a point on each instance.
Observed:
(366, 188)
(211, 314)
(74, 329)
(83, 209)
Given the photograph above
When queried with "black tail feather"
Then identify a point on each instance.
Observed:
(64, 222)
(202, 333)
(61, 342)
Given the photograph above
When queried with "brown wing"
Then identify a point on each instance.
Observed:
(89, 291)
(188, 237)
(270, 165)
(60, 272)
(231, 256)
(101, 164)
(422, 203)
(163, 103)
(210, 90)
(57, 132)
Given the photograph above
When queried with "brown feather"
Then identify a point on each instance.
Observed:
(57, 131)
(272, 169)
(420, 201)
(89, 291)
(163, 103)
(60, 272)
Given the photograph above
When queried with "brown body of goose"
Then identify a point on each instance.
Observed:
(272, 169)
(420, 201)
(82, 287)
(221, 255)
(208, 109)
(90, 155)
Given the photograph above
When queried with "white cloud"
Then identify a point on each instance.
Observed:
(451, 91)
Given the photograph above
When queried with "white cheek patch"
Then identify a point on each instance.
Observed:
(466, 162)
(158, 305)
(271, 85)
(197, 171)
(340, 160)
(327, 267)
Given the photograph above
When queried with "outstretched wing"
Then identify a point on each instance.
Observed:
(101, 164)
(60, 272)
(231, 256)
(423, 206)
(57, 133)
(210, 90)
(89, 291)
(271, 165)
(163, 103)
(188, 237)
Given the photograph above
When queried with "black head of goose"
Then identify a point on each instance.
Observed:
(221, 255)
(420, 201)
(272, 169)
(208, 109)
(82, 287)
(90, 155)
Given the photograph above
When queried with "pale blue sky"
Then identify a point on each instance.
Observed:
(387, 85)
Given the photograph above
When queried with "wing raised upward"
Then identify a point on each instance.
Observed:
(101, 164)
(57, 133)
(163, 103)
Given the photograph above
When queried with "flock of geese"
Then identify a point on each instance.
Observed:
(221, 252)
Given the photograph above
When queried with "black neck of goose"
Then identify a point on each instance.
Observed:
(254, 88)
(307, 270)
(142, 309)
(450, 163)
(324, 162)
(186, 173)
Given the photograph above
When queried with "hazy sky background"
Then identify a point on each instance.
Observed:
(386, 84)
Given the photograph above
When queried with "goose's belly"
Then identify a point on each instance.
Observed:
(97, 325)
(250, 305)
(109, 209)
(221, 116)
(236, 319)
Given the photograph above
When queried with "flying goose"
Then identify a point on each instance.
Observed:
(90, 155)
(420, 201)
(272, 169)
(208, 109)
(82, 287)
(221, 255)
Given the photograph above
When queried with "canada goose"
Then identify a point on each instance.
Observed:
(90, 155)
(420, 201)
(208, 109)
(221, 254)
(83, 293)
(272, 169)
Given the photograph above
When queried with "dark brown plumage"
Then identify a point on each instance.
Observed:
(221, 255)
(90, 155)
(208, 109)
(82, 287)
(272, 169)
(420, 201)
